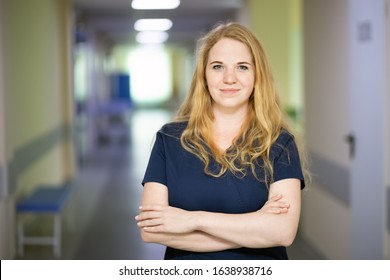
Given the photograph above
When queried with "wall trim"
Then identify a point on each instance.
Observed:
(27, 155)
(3, 181)
(331, 177)
(388, 208)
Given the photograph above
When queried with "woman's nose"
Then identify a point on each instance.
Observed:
(229, 76)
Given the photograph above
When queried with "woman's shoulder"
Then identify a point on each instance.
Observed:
(283, 142)
(173, 129)
(284, 137)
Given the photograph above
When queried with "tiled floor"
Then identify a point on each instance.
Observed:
(99, 219)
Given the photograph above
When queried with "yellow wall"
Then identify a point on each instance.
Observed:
(38, 85)
(182, 72)
(277, 24)
(3, 107)
(33, 67)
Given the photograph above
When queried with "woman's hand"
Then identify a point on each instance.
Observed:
(275, 205)
(165, 219)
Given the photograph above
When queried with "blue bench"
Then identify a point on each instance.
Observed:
(44, 200)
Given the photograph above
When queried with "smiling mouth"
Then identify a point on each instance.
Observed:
(229, 90)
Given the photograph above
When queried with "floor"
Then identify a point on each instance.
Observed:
(98, 223)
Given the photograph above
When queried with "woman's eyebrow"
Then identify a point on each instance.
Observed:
(245, 62)
(220, 62)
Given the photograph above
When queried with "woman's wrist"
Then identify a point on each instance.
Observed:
(198, 219)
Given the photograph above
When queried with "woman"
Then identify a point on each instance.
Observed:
(224, 180)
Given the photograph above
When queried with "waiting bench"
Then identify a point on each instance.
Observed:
(44, 200)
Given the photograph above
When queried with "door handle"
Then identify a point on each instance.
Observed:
(350, 139)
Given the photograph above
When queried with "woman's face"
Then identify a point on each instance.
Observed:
(230, 75)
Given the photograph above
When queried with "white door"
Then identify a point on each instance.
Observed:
(367, 88)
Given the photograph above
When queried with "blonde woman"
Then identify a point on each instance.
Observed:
(224, 179)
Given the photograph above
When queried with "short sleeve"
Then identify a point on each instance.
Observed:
(156, 168)
(287, 163)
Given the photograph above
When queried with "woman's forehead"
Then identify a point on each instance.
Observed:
(228, 49)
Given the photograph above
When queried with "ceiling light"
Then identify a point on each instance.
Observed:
(155, 24)
(155, 4)
(151, 37)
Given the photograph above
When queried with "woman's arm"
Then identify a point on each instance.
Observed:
(208, 231)
(157, 194)
(258, 229)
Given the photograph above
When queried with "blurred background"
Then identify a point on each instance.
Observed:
(85, 85)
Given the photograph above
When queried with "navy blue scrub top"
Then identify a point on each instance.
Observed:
(189, 188)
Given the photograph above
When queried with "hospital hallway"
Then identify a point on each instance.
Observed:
(98, 221)
(84, 89)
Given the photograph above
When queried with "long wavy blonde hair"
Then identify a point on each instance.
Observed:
(264, 121)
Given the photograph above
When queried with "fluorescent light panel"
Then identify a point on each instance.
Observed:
(153, 24)
(155, 4)
(151, 37)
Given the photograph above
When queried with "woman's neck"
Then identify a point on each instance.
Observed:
(228, 118)
(226, 127)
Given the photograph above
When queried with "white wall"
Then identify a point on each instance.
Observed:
(326, 70)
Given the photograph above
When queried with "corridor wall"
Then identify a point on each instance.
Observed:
(278, 25)
(314, 49)
(38, 94)
(5, 233)
(344, 213)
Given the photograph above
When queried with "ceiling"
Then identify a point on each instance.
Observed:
(114, 19)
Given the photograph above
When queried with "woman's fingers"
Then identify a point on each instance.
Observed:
(275, 205)
(275, 197)
(146, 216)
(158, 218)
(151, 207)
(149, 223)
(149, 212)
(279, 204)
(278, 210)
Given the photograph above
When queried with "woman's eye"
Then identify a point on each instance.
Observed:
(243, 67)
(217, 66)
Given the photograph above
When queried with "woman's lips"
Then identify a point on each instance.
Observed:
(229, 90)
